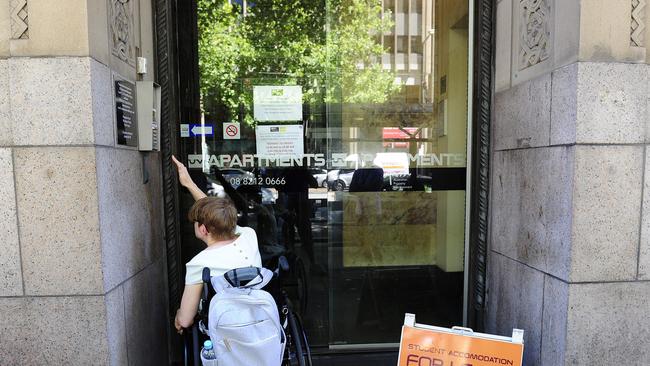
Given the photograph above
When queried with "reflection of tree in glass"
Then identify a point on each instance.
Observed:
(223, 47)
(292, 42)
(352, 41)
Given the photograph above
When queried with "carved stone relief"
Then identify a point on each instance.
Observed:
(122, 30)
(19, 21)
(534, 31)
(637, 25)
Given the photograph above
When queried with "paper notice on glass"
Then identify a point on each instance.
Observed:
(277, 103)
(279, 140)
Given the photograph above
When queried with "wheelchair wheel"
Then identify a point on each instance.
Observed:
(296, 284)
(295, 350)
(302, 284)
(305, 344)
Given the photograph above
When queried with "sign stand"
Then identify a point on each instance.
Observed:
(423, 344)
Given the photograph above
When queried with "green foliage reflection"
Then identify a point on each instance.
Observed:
(318, 44)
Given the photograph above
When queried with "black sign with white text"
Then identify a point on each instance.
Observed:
(125, 117)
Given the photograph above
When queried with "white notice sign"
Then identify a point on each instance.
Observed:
(277, 103)
(279, 140)
(185, 130)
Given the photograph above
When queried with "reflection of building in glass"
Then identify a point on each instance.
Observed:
(426, 50)
(409, 47)
(411, 43)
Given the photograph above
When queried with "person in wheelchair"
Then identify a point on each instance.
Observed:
(228, 246)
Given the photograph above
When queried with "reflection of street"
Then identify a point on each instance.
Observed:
(339, 179)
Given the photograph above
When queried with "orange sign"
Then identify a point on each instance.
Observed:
(426, 347)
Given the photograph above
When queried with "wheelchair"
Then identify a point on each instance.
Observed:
(297, 351)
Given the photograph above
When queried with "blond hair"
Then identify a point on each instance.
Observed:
(219, 216)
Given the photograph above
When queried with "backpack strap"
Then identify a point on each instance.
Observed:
(220, 283)
(261, 280)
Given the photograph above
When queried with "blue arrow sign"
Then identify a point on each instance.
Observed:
(201, 130)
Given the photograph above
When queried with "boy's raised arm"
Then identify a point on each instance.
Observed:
(186, 181)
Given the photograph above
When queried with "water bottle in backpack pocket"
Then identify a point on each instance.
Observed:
(208, 356)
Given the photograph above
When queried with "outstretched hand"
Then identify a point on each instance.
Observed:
(183, 176)
(186, 181)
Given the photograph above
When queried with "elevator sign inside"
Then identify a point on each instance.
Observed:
(424, 345)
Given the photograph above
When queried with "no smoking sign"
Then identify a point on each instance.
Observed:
(231, 131)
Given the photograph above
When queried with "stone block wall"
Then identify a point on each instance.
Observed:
(82, 267)
(569, 247)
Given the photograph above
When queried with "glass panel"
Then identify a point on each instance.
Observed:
(398, 165)
(346, 157)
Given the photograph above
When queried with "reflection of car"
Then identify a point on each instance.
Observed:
(339, 179)
(320, 175)
(236, 176)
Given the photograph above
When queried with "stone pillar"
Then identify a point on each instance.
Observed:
(82, 277)
(569, 257)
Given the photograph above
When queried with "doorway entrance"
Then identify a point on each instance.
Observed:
(342, 130)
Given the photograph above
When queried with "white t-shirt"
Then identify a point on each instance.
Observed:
(243, 252)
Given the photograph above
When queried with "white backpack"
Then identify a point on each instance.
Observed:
(244, 325)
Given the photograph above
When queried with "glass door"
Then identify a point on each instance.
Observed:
(339, 128)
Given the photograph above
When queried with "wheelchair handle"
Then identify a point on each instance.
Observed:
(283, 266)
(283, 263)
(205, 275)
(206, 280)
